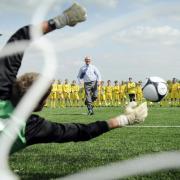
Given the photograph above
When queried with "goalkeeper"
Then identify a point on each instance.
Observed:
(37, 129)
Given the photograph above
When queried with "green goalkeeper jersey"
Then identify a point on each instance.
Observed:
(6, 110)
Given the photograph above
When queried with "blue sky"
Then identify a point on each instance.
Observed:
(118, 37)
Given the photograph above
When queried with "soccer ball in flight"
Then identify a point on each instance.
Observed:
(155, 89)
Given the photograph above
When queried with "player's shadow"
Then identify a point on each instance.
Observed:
(41, 176)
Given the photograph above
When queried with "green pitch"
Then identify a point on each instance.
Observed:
(57, 160)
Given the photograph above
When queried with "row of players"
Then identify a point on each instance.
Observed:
(66, 94)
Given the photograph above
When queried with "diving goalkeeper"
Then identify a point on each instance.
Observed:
(37, 129)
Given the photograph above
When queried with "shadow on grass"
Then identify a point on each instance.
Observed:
(40, 176)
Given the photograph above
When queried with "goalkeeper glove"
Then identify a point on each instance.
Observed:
(133, 114)
(71, 16)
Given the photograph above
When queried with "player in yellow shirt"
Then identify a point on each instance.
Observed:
(81, 95)
(174, 92)
(103, 94)
(166, 100)
(98, 101)
(178, 94)
(53, 95)
(75, 93)
(67, 93)
(168, 97)
(131, 90)
(60, 95)
(108, 92)
(116, 93)
(139, 93)
(122, 93)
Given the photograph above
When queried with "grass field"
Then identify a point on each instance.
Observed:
(57, 160)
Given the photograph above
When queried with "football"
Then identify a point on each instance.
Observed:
(155, 89)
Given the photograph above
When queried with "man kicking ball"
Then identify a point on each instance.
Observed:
(37, 129)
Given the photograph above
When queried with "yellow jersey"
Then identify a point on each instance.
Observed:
(116, 89)
(131, 88)
(108, 89)
(138, 89)
(178, 87)
(54, 87)
(74, 88)
(101, 89)
(122, 89)
(60, 88)
(66, 88)
(82, 92)
(174, 87)
(169, 87)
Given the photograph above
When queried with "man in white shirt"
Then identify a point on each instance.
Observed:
(91, 77)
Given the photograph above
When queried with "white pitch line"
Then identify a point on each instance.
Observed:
(153, 126)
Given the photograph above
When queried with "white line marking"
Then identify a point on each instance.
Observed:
(153, 126)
